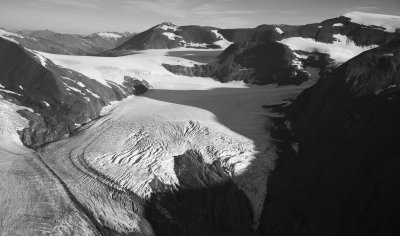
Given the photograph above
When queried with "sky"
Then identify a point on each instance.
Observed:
(88, 16)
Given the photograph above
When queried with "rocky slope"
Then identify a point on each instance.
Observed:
(344, 179)
(70, 44)
(258, 63)
(61, 99)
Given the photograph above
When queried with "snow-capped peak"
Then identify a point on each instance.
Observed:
(168, 26)
(389, 22)
(109, 35)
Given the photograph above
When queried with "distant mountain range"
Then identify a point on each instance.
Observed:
(355, 26)
(70, 44)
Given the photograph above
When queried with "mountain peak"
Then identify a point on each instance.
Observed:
(168, 26)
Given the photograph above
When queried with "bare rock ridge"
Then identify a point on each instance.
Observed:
(258, 63)
(61, 99)
(345, 177)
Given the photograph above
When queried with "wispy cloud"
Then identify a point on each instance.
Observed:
(189, 8)
(69, 4)
(175, 8)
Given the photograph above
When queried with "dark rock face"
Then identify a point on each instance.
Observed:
(258, 63)
(135, 86)
(261, 33)
(61, 98)
(345, 178)
(69, 44)
(206, 203)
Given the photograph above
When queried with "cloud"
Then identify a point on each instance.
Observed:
(174, 8)
(227, 22)
(188, 8)
(60, 4)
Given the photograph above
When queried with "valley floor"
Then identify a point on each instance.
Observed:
(104, 171)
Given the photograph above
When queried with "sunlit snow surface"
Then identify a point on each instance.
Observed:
(222, 42)
(109, 35)
(135, 141)
(390, 23)
(341, 50)
(10, 123)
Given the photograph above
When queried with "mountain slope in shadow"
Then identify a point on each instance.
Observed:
(345, 178)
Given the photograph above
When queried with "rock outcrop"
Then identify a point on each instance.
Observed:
(206, 203)
(258, 63)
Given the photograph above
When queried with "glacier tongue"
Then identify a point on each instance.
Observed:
(115, 162)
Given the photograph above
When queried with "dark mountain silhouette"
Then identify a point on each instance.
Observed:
(345, 178)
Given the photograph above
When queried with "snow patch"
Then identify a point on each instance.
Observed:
(388, 55)
(279, 30)
(10, 92)
(39, 56)
(69, 88)
(10, 123)
(109, 35)
(46, 103)
(338, 25)
(341, 50)
(168, 26)
(390, 23)
(93, 94)
(8, 39)
(6, 33)
(222, 42)
(196, 45)
(171, 36)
